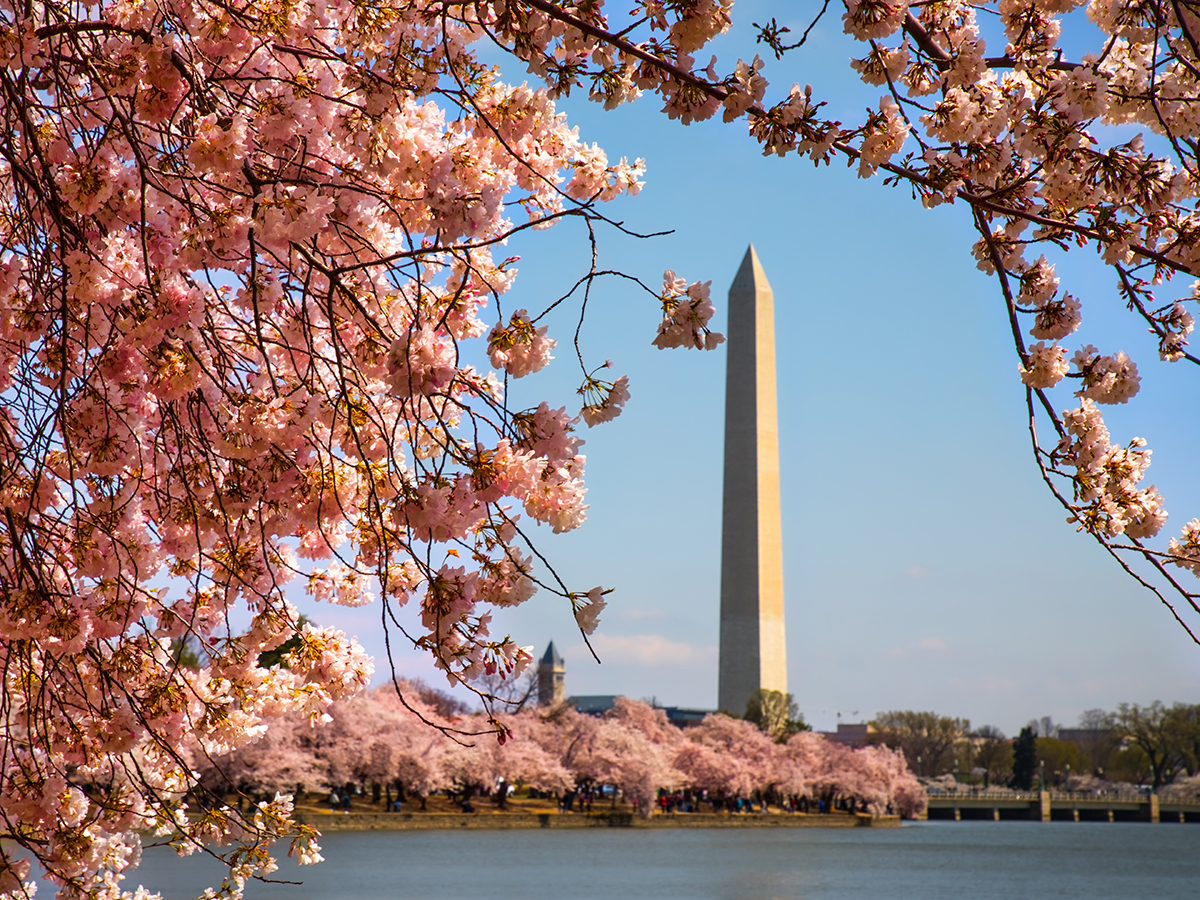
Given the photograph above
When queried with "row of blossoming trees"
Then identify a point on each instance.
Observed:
(376, 738)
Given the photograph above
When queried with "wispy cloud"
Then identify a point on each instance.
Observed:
(916, 572)
(649, 650)
(987, 684)
(639, 614)
(921, 645)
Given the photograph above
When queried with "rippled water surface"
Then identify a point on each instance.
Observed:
(929, 860)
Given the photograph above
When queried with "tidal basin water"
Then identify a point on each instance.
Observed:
(929, 860)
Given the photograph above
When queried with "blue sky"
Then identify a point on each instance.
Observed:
(926, 566)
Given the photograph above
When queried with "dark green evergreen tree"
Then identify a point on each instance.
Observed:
(275, 657)
(1024, 759)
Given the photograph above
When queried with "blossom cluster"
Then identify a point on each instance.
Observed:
(604, 400)
(519, 348)
(1107, 478)
(687, 310)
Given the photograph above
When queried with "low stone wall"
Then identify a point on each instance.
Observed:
(327, 822)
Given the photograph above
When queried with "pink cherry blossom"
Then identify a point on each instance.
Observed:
(519, 348)
(686, 312)
(1047, 366)
(613, 397)
(587, 614)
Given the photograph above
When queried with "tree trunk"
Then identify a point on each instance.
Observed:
(502, 795)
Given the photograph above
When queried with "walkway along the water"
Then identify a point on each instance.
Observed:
(380, 821)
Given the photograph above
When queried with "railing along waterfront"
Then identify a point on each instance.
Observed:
(1007, 794)
(1046, 806)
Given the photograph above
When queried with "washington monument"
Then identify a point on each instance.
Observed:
(753, 653)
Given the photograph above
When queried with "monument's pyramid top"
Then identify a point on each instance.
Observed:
(750, 276)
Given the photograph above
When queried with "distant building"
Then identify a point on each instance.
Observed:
(552, 678)
(852, 735)
(594, 704)
(1086, 737)
(685, 718)
(599, 704)
(552, 689)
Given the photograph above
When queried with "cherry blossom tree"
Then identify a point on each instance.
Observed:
(371, 738)
(876, 777)
(290, 753)
(729, 755)
(833, 774)
(884, 783)
(801, 760)
(570, 738)
(246, 250)
(522, 760)
(634, 750)
(494, 765)
(418, 741)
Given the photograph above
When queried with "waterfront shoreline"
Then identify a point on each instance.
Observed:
(326, 822)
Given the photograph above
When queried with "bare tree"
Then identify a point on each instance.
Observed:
(1097, 738)
(1148, 728)
(993, 754)
(923, 736)
(510, 694)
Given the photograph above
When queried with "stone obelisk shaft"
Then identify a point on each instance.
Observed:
(753, 654)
